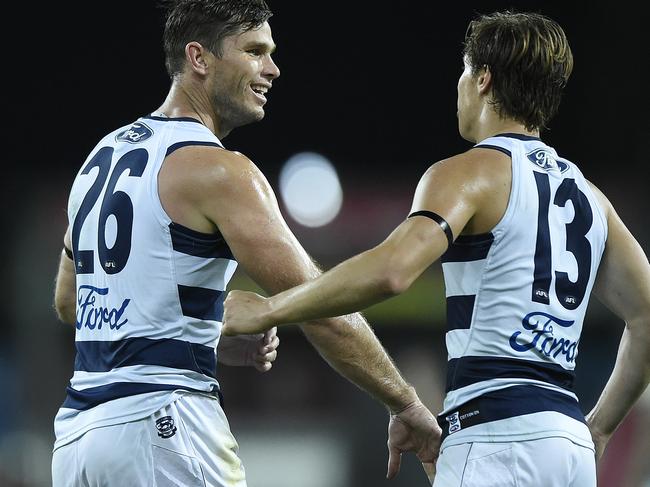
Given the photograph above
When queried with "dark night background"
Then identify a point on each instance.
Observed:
(370, 85)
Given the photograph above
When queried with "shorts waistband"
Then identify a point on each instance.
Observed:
(507, 403)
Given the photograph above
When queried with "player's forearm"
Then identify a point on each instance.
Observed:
(629, 379)
(362, 359)
(350, 286)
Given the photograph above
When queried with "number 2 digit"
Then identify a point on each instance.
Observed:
(116, 203)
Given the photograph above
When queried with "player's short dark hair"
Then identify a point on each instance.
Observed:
(530, 61)
(207, 22)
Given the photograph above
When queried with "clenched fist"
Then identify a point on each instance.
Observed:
(245, 313)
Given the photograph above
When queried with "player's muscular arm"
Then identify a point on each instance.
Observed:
(623, 285)
(376, 274)
(454, 189)
(65, 286)
(233, 194)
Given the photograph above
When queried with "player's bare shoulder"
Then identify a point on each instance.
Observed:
(476, 171)
(196, 182)
(475, 183)
(474, 162)
(199, 171)
(205, 165)
(489, 166)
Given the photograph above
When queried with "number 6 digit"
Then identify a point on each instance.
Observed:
(118, 204)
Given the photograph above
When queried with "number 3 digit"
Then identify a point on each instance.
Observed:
(569, 293)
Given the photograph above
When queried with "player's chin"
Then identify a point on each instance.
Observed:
(247, 114)
(251, 114)
(258, 113)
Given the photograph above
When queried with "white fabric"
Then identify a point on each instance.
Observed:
(462, 278)
(202, 272)
(547, 462)
(190, 446)
(456, 341)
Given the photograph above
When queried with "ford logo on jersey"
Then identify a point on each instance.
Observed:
(138, 132)
(546, 160)
(92, 316)
(542, 338)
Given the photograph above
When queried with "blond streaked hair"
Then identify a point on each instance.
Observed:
(530, 61)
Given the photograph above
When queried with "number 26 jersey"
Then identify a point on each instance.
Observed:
(149, 291)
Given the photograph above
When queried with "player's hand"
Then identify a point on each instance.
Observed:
(259, 351)
(413, 429)
(265, 350)
(244, 314)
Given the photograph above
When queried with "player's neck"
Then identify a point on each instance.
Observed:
(181, 102)
(494, 125)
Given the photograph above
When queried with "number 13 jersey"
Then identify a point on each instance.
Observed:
(149, 291)
(516, 300)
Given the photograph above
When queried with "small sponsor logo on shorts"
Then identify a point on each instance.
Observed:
(165, 427)
(454, 422)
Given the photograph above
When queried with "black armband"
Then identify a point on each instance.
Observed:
(68, 252)
(439, 220)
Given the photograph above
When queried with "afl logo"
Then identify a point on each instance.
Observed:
(138, 132)
(165, 427)
(546, 160)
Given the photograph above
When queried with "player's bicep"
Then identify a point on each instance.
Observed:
(441, 208)
(251, 222)
(447, 191)
(408, 251)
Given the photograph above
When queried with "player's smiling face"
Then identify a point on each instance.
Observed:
(243, 76)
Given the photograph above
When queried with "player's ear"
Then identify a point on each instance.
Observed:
(196, 56)
(484, 80)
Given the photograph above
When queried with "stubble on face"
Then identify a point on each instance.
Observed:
(241, 67)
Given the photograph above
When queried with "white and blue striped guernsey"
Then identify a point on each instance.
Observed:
(149, 291)
(516, 300)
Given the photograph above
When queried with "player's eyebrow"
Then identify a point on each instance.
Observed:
(262, 46)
